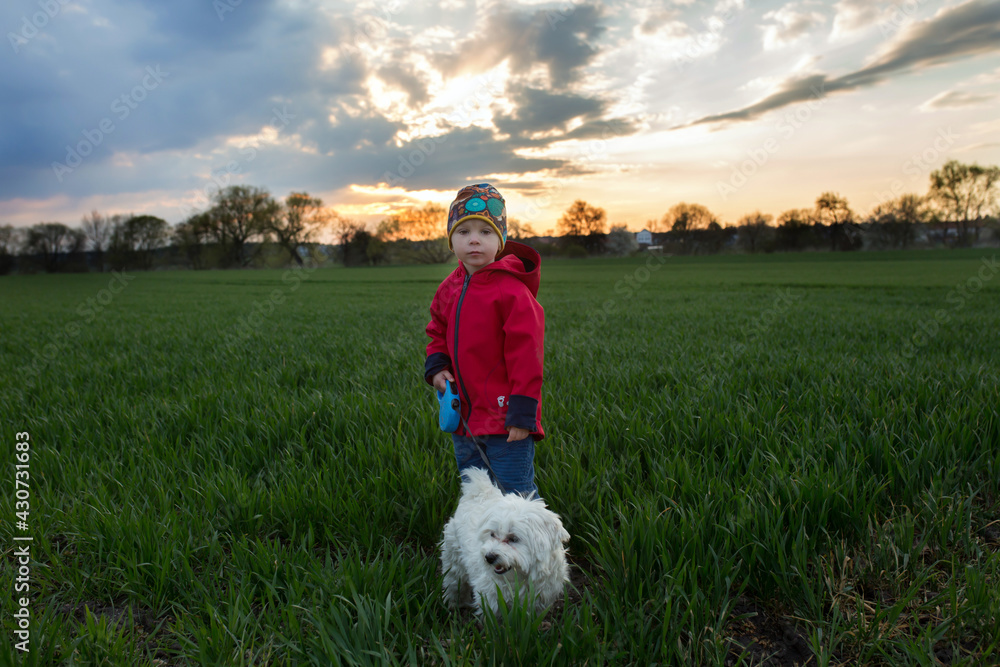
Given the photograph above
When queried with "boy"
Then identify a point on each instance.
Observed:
(486, 333)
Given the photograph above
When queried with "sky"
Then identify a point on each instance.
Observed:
(738, 105)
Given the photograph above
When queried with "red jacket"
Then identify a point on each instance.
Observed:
(492, 319)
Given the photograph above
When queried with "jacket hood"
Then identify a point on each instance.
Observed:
(521, 261)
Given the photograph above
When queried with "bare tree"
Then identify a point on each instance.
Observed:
(518, 230)
(966, 194)
(97, 229)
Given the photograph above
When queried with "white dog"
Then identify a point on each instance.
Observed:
(506, 543)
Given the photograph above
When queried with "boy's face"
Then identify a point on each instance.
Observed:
(475, 244)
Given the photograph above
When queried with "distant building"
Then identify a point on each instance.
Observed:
(645, 237)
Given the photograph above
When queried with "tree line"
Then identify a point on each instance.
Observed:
(245, 226)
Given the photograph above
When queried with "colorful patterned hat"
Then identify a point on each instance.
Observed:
(481, 201)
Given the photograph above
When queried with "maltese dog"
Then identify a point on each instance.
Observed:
(502, 544)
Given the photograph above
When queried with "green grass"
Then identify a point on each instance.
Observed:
(244, 467)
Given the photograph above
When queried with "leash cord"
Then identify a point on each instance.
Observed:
(482, 454)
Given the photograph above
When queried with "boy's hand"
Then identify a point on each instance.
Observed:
(517, 434)
(442, 379)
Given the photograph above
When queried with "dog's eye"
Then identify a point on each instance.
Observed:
(493, 535)
(513, 539)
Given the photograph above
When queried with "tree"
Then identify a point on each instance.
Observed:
(966, 195)
(518, 230)
(97, 229)
(893, 223)
(421, 233)
(52, 243)
(354, 240)
(298, 221)
(621, 241)
(145, 234)
(10, 240)
(754, 229)
(795, 228)
(683, 219)
(583, 224)
(190, 237)
(240, 214)
(833, 212)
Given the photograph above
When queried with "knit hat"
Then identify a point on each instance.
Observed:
(481, 201)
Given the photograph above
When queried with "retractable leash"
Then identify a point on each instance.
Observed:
(450, 415)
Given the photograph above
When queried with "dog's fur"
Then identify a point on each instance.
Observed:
(502, 543)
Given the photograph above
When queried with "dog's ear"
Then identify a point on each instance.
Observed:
(557, 534)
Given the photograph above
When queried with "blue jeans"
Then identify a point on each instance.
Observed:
(512, 463)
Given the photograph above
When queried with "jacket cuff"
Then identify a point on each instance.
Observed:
(521, 412)
(434, 364)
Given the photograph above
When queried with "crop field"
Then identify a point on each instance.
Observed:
(770, 460)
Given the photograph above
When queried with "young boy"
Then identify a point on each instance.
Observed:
(486, 333)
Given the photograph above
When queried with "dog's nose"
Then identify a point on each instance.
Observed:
(491, 558)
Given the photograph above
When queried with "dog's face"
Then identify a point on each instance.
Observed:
(519, 534)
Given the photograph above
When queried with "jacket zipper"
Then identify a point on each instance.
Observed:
(458, 376)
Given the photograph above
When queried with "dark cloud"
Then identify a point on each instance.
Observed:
(223, 76)
(456, 157)
(539, 111)
(967, 30)
(406, 80)
(214, 79)
(560, 39)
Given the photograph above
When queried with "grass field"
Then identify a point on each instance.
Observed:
(761, 460)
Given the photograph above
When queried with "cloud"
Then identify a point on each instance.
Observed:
(406, 80)
(964, 31)
(789, 25)
(560, 39)
(855, 15)
(954, 99)
(541, 112)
